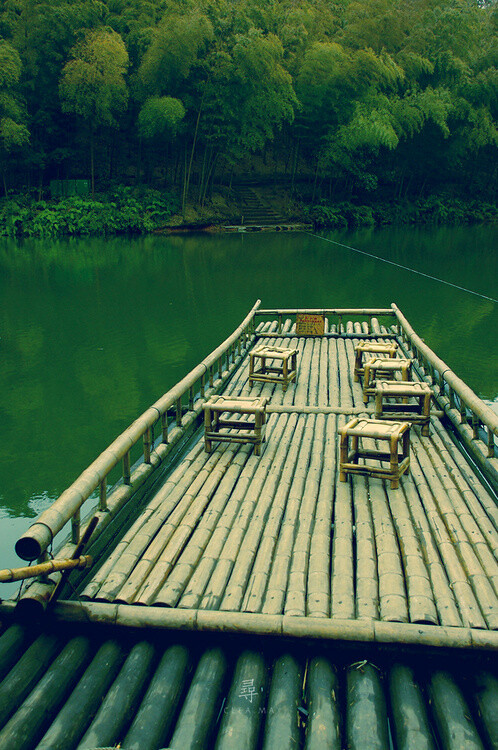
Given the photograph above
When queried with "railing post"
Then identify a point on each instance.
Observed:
(203, 386)
(475, 426)
(220, 366)
(103, 495)
(179, 411)
(126, 468)
(75, 527)
(191, 397)
(211, 376)
(491, 443)
(451, 397)
(146, 440)
(280, 323)
(164, 426)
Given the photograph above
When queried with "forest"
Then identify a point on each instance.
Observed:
(361, 100)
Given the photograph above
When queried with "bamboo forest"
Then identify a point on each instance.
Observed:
(361, 111)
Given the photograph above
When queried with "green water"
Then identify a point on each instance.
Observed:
(93, 331)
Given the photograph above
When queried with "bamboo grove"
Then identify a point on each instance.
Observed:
(362, 96)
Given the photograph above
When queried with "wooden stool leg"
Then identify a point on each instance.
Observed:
(406, 444)
(426, 410)
(394, 464)
(285, 373)
(366, 382)
(343, 456)
(257, 433)
(378, 405)
(357, 366)
(207, 428)
(353, 456)
(251, 369)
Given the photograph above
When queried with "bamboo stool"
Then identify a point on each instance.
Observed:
(391, 432)
(284, 373)
(418, 413)
(385, 369)
(371, 347)
(241, 431)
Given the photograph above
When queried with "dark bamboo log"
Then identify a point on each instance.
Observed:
(29, 722)
(21, 574)
(152, 724)
(195, 723)
(243, 712)
(366, 713)
(71, 722)
(452, 716)
(122, 700)
(282, 726)
(324, 714)
(23, 677)
(486, 699)
(411, 724)
(12, 644)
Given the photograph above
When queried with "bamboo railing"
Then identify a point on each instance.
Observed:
(461, 405)
(192, 390)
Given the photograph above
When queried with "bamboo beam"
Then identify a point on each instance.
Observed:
(21, 574)
(259, 624)
(328, 311)
(39, 536)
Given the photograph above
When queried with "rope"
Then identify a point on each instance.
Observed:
(405, 268)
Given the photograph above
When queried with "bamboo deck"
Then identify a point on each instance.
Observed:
(278, 535)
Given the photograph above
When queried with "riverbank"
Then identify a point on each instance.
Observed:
(142, 210)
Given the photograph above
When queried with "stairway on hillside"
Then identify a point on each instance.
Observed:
(253, 212)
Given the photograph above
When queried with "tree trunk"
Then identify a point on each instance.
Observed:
(194, 143)
(92, 162)
(4, 183)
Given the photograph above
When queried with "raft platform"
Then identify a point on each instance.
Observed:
(274, 554)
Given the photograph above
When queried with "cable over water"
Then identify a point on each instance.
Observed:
(405, 268)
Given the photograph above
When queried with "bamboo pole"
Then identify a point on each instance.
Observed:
(158, 708)
(318, 584)
(134, 616)
(299, 572)
(202, 703)
(138, 586)
(281, 726)
(295, 519)
(322, 700)
(389, 311)
(35, 541)
(21, 574)
(26, 673)
(174, 586)
(366, 712)
(208, 581)
(176, 533)
(13, 643)
(244, 709)
(411, 723)
(24, 729)
(460, 555)
(452, 716)
(122, 700)
(274, 488)
(73, 719)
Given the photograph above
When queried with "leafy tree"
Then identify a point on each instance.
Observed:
(93, 85)
(13, 131)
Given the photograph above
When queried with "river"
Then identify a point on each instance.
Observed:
(93, 331)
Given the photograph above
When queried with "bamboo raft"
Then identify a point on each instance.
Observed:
(274, 546)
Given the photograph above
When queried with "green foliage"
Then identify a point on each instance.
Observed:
(160, 116)
(92, 83)
(437, 209)
(122, 210)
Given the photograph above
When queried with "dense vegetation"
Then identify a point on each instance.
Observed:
(367, 101)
